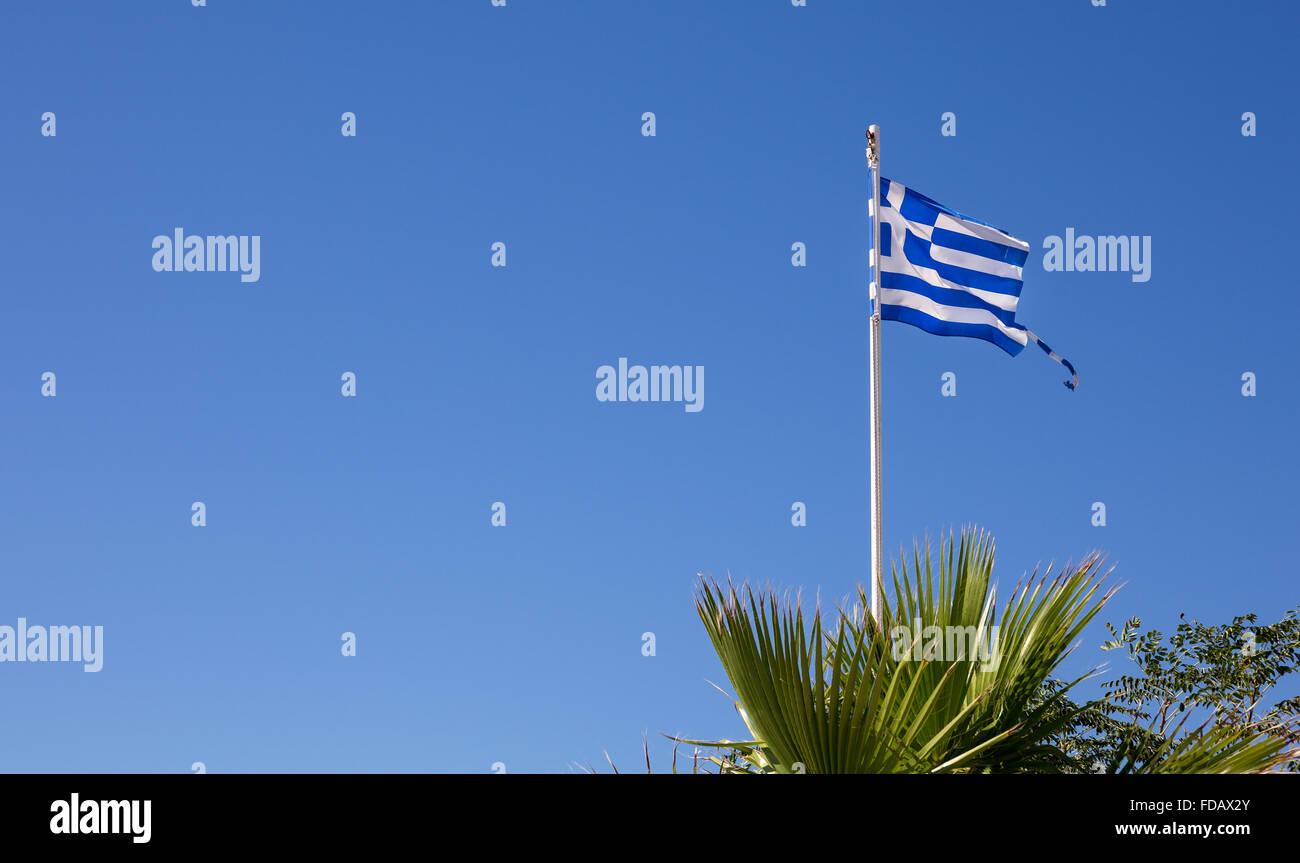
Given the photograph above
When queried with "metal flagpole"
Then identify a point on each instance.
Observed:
(877, 529)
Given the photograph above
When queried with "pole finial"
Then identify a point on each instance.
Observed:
(873, 146)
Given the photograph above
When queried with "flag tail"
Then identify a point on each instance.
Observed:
(1071, 384)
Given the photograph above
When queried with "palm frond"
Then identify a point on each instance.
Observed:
(855, 697)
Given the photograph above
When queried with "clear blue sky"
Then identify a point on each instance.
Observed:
(522, 124)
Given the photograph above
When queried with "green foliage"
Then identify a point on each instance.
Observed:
(699, 762)
(842, 697)
(1227, 669)
(839, 698)
(1222, 671)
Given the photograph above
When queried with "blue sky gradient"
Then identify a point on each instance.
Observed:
(522, 124)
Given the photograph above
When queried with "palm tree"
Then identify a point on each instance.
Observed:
(944, 684)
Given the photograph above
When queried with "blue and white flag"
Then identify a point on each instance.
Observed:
(951, 275)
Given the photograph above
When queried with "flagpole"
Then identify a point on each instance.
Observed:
(877, 524)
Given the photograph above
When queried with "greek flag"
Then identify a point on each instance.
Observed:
(951, 275)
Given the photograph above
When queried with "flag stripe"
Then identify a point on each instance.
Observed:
(942, 328)
(947, 256)
(978, 247)
(945, 297)
(887, 186)
(921, 254)
(899, 264)
(950, 320)
(1070, 384)
(978, 229)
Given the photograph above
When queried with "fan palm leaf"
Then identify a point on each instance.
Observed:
(862, 698)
